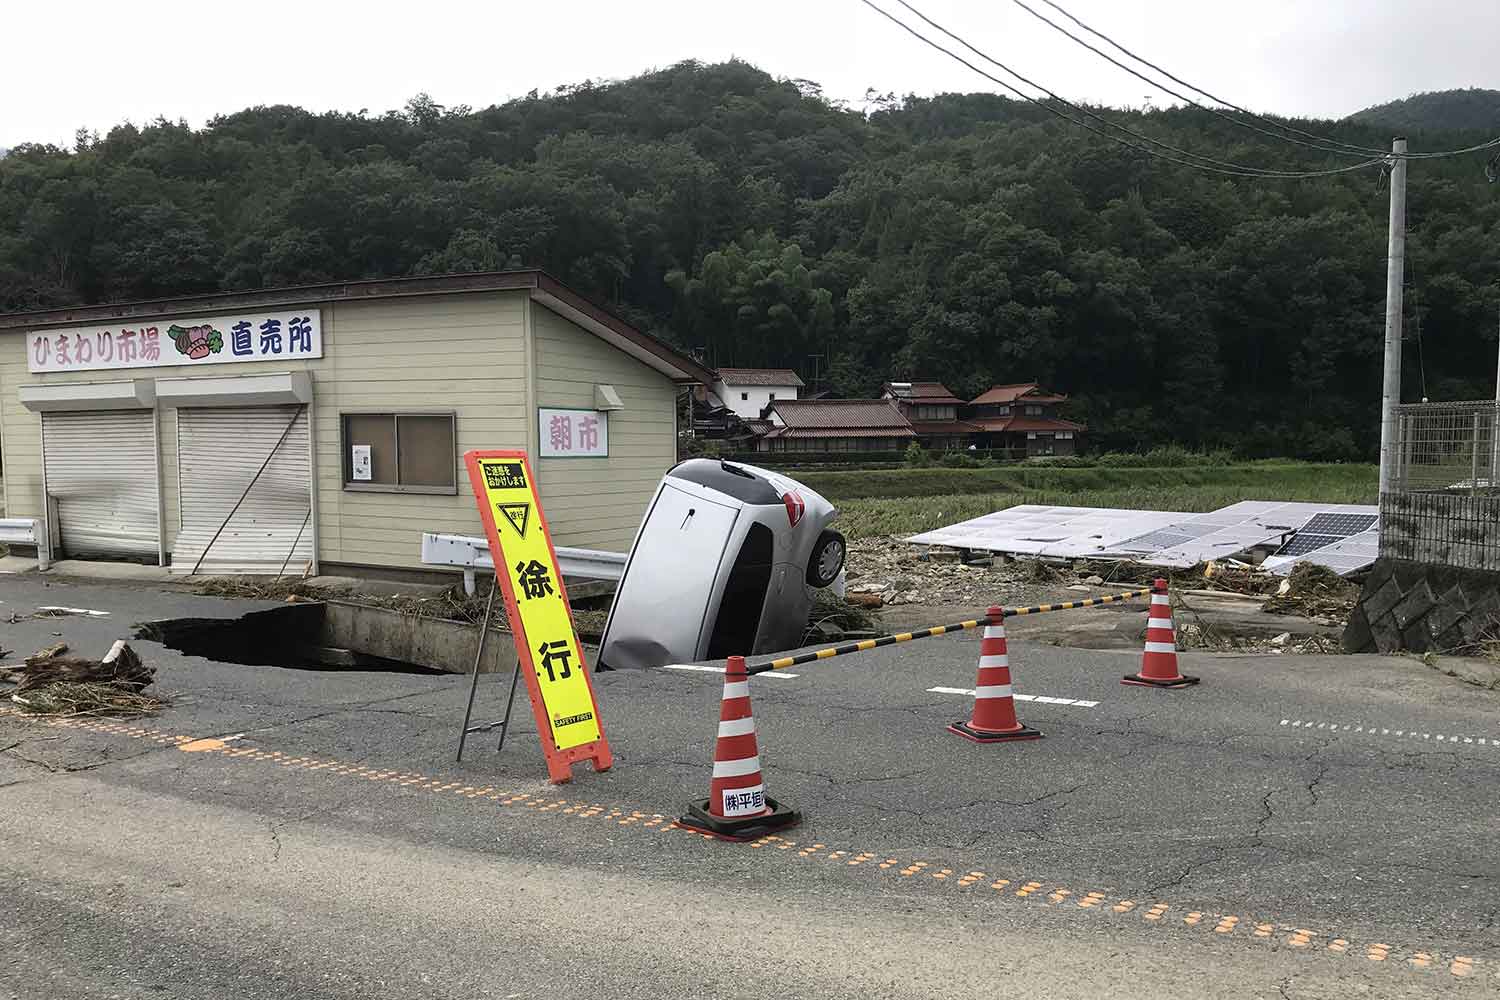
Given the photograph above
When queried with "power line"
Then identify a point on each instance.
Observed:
(1490, 144)
(1206, 164)
(1339, 148)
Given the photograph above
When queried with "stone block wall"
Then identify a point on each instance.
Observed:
(1422, 607)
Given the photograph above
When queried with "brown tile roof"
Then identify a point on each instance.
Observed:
(827, 433)
(1010, 393)
(929, 393)
(841, 418)
(759, 376)
(1015, 424)
(944, 427)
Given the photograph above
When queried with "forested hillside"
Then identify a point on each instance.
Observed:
(1472, 108)
(966, 237)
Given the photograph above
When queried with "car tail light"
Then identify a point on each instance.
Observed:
(795, 508)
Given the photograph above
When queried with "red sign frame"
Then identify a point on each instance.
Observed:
(559, 760)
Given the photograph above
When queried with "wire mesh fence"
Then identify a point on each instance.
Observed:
(1444, 507)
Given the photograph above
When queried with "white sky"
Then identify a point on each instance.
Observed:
(95, 64)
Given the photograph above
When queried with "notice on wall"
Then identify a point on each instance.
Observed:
(551, 659)
(360, 462)
(214, 340)
(566, 433)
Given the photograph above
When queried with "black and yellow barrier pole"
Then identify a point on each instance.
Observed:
(936, 630)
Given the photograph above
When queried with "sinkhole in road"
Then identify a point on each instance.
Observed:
(296, 637)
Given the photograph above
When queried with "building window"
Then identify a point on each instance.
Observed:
(1033, 411)
(1005, 411)
(400, 452)
(744, 395)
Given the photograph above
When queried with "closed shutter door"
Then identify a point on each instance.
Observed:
(101, 471)
(219, 452)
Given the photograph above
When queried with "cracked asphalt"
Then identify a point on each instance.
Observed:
(1265, 834)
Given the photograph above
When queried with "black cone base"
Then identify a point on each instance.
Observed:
(968, 732)
(1171, 682)
(743, 828)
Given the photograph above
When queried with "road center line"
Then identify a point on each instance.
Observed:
(1040, 699)
(1420, 734)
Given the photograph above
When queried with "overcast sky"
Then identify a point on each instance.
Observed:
(90, 64)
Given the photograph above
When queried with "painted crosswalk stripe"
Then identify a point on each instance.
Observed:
(719, 670)
(1038, 698)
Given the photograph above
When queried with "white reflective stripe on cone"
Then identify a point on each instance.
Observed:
(1165, 623)
(737, 689)
(998, 660)
(736, 768)
(1160, 647)
(993, 691)
(1160, 599)
(737, 727)
(994, 631)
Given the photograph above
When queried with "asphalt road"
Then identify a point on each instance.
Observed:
(1292, 827)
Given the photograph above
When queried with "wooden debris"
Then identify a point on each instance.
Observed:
(120, 668)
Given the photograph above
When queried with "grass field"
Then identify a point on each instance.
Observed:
(904, 501)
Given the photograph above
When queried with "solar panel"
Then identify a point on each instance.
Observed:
(1306, 542)
(1339, 525)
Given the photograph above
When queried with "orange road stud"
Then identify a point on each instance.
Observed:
(737, 807)
(1159, 661)
(994, 719)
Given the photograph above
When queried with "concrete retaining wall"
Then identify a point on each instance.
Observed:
(428, 642)
(1422, 607)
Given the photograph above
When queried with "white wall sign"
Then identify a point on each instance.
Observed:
(280, 336)
(573, 433)
(360, 462)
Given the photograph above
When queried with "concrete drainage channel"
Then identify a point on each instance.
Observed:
(332, 635)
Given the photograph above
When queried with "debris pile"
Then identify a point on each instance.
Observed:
(888, 571)
(48, 682)
(1315, 592)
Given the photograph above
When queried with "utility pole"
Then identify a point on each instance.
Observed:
(1495, 424)
(1395, 271)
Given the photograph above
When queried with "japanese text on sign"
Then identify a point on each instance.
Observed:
(573, 433)
(216, 340)
(545, 625)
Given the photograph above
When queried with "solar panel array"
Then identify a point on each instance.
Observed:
(1343, 537)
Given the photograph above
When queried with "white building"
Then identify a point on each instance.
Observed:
(746, 391)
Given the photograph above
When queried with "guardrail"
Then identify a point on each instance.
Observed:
(26, 531)
(473, 554)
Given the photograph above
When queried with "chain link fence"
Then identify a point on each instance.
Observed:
(1444, 506)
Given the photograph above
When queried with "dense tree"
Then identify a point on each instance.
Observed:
(963, 237)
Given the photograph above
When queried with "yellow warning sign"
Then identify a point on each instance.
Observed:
(537, 602)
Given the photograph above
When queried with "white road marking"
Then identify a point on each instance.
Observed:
(1410, 734)
(1039, 698)
(719, 670)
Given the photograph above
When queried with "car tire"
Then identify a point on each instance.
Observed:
(827, 559)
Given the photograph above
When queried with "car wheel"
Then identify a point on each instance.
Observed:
(827, 559)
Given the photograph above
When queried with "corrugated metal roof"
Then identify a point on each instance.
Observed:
(840, 413)
(759, 376)
(1011, 393)
(922, 392)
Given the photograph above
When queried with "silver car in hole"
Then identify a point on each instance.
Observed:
(724, 564)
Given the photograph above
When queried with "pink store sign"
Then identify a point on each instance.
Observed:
(282, 336)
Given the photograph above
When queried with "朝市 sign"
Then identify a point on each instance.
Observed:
(280, 336)
(557, 678)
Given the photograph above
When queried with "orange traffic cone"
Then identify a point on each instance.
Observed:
(1159, 663)
(994, 718)
(738, 807)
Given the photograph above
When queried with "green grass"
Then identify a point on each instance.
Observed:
(870, 505)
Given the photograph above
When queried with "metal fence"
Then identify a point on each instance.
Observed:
(1444, 506)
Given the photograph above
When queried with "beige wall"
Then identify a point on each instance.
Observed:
(598, 503)
(464, 353)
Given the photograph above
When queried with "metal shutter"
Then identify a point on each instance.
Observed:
(219, 452)
(101, 471)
